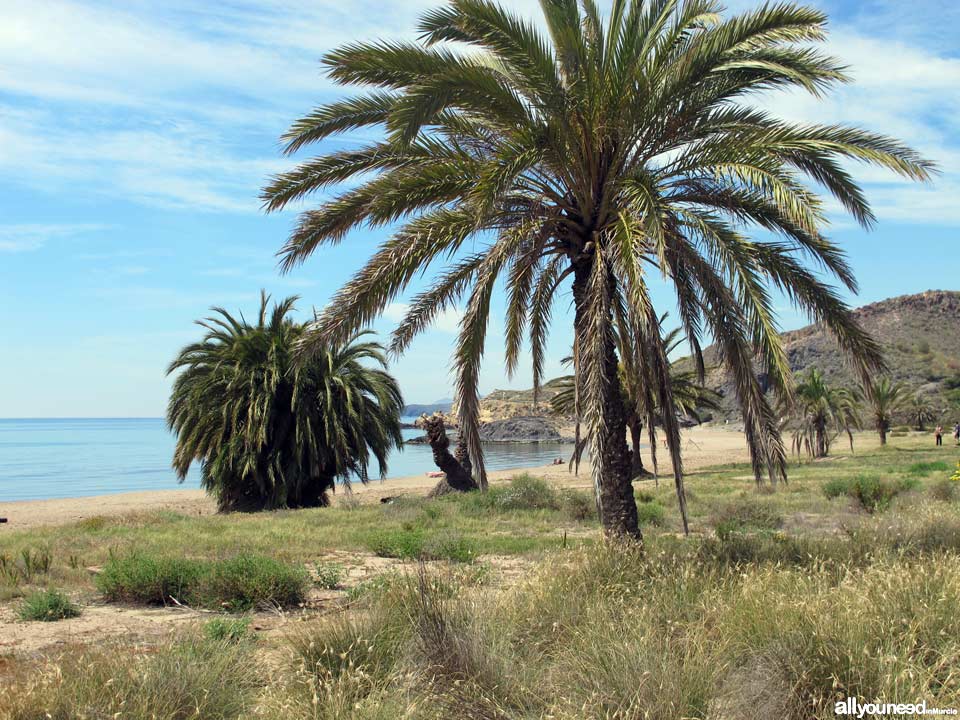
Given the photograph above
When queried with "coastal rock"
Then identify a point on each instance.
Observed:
(524, 429)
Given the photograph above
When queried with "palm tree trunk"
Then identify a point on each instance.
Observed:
(618, 508)
(882, 429)
(456, 469)
(636, 462)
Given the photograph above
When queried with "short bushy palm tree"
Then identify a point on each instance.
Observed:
(886, 398)
(921, 410)
(268, 433)
(596, 150)
(822, 411)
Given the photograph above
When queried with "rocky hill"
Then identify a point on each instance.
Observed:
(920, 335)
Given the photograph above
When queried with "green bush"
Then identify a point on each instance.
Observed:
(525, 492)
(238, 583)
(449, 545)
(47, 606)
(406, 544)
(872, 493)
(246, 581)
(650, 513)
(746, 515)
(328, 575)
(229, 630)
(579, 506)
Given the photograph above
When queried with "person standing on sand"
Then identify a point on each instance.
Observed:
(938, 433)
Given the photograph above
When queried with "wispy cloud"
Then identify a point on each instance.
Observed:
(27, 237)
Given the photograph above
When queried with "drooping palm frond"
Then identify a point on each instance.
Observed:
(628, 137)
(270, 434)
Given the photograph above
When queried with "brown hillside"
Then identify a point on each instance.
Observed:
(920, 335)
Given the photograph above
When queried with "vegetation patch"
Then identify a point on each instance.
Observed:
(872, 493)
(928, 468)
(186, 678)
(226, 629)
(746, 515)
(235, 584)
(48, 606)
(328, 575)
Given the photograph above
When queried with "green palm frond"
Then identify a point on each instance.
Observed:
(268, 433)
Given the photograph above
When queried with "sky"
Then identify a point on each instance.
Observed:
(135, 136)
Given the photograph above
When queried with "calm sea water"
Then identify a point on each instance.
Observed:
(55, 458)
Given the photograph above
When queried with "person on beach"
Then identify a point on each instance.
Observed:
(938, 434)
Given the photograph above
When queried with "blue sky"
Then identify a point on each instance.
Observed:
(134, 137)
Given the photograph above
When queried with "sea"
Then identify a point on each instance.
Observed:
(79, 457)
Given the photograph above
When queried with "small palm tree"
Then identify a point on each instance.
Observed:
(886, 399)
(821, 412)
(269, 434)
(601, 151)
(921, 410)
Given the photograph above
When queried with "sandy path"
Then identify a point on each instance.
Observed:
(702, 446)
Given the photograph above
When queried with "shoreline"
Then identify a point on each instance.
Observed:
(703, 446)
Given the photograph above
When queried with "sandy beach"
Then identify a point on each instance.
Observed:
(702, 446)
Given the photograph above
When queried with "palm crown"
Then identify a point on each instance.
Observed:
(270, 434)
(605, 150)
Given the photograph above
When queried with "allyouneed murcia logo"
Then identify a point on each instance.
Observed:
(854, 708)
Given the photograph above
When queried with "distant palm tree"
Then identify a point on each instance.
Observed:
(268, 434)
(603, 149)
(921, 410)
(886, 398)
(821, 412)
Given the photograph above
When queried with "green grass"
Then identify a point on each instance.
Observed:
(225, 629)
(47, 606)
(188, 678)
(874, 494)
(235, 584)
(795, 600)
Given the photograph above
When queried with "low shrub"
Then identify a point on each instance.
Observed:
(328, 575)
(235, 584)
(405, 544)
(872, 493)
(448, 545)
(47, 606)
(579, 506)
(416, 544)
(229, 630)
(650, 513)
(525, 492)
(247, 581)
(746, 515)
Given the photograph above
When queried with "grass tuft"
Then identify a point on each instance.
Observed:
(236, 584)
(48, 606)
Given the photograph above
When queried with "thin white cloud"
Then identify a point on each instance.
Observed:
(27, 237)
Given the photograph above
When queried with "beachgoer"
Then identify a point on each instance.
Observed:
(938, 433)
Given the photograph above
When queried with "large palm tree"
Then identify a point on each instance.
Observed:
(592, 150)
(886, 399)
(821, 411)
(268, 433)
